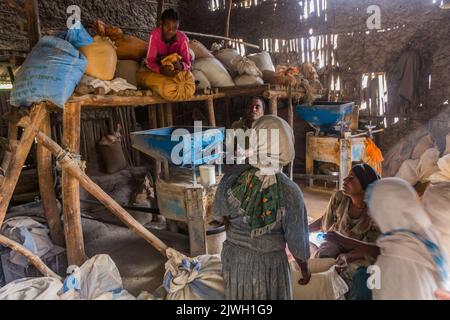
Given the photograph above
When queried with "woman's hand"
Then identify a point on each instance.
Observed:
(168, 72)
(306, 274)
(306, 278)
(442, 295)
(342, 263)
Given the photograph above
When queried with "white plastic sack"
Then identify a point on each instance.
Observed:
(97, 279)
(263, 61)
(31, 234)
(202, 79)
(214, 70)
(447, 148)
(246, 80)
(200, 51)
(227, 56)
(245, 66)
(32, 289)
(443, 175)
(193, 278)
(414, 171)
(325, 284)
(116, 85)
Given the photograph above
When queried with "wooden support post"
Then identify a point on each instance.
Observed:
(71, 167)
(33, 21)
(229, 5)
(13, 131)
(291, 123)
(196, 222)
(273, 107)
(169, 114)
(160, 10)
(162, 118)
(71, 188)
(309, 158)
(152, 117)
(227, 112)
(46, 187)
(211, 112)
(12, 172)
(345, 160)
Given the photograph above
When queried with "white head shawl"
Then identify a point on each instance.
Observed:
(394, 205)
(275, 145)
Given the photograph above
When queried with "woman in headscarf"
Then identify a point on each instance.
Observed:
(263, 210)
(411, 262)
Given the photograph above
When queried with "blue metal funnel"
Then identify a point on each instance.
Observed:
(325, 115)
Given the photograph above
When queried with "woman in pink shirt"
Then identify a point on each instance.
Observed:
(167, 40)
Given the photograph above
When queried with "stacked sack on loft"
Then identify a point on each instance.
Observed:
(227, 68)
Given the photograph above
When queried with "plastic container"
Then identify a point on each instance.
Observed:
(207, 175)
(215, 237)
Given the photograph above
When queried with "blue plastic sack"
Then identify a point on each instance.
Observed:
(77, 36)
(50, 73)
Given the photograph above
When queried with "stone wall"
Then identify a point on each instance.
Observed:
(136, 17)
(415, 24)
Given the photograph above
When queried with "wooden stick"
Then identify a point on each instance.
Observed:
(71, 167)
(250, 45)
(13, 131)
(35, 260)
(273, 107)
(229, 5)
(152, 117)
(34, 24)
(227, 112)
(160, 11)
(71, 188)
(211, 112)
(46, 187)
(162, 118)
(169, 114)
(18, 159)
(291, 123)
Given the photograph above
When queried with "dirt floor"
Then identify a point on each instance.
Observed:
(140, 265)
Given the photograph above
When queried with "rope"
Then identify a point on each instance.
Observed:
(72, 156)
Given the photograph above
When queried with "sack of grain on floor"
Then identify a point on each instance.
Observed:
(101, 57)
(200, 51)
(111, 150)
(193, 278)
(127, 47)
(325, 284)
(215, 71)
(420, 170)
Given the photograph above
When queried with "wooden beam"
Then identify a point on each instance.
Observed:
(35, 260)
(72, 168)
(229, 5)
(169, 114)
(291, 123)
(12, 172)
(211, 112)
(46, 187)
(161, 116)
(33, 21)
(160, 10)
(152, 117)
(273, 105)
(71, 188)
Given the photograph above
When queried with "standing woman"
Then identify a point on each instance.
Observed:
(411, 261)
(263, 210)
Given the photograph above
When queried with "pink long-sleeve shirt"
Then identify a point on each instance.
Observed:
(158, 49)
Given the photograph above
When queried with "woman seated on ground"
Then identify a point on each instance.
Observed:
(263, 210)
(411, 261)
(347, 213)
